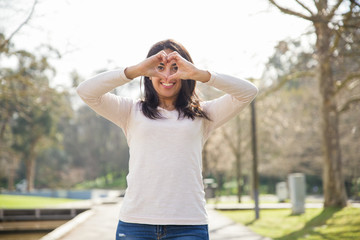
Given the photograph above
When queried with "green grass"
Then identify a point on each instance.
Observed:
(246, 201)
(315, 224)
(106, 182)
(13, 201)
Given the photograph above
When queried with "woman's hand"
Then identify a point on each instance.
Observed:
(185, 69)
(152, 67)
(148, 67)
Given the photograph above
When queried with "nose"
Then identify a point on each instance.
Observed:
(167, 71)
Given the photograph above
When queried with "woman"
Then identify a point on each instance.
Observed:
(165, 132)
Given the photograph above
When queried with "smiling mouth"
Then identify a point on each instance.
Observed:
(168, 85)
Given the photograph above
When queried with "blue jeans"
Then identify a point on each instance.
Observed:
(135, 231)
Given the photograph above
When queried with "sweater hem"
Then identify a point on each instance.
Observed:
(163, 221)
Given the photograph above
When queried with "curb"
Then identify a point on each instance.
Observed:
(242, 206)
(68, 226)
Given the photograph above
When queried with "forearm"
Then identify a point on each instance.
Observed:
(201, 75)
(239, 95)
(240, 89)
(101, 84)
(95, 93)
(132, 72)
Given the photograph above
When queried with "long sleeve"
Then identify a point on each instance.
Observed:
(239, 94)
(95, 92)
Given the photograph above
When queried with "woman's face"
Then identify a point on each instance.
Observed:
(167, 90)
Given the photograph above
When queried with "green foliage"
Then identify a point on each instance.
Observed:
(37, 125)
(12, 201)
(110, 181)
(52, 162)
(30, 109)
(315, 224)
(96, 145)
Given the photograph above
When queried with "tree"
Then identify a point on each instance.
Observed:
(234, 141)
(35, 110)
(289, 112)
(329, 21)
(30, 108)
(6, 42)
(8, 102)
(97, 145)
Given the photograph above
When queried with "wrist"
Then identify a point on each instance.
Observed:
(202, 76)
(132, 72)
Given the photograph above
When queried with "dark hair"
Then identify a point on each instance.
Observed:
(187, 102)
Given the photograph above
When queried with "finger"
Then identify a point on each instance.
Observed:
(173, 56)
(174, 53)
(159, 75)
(164, 56)
(161, 57)
(173, 62)
(173, 76)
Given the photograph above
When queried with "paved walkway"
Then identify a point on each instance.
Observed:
(100, 224)
(222, 228)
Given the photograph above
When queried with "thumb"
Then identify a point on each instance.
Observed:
(174, 76)
(159, 75)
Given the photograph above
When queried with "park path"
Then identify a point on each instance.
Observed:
(100, 222)
(223, 228)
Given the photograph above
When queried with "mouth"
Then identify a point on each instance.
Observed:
(167, 85)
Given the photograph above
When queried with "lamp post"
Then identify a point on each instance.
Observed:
(255, 176)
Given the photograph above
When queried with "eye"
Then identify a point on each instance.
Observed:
(174, 67)
(160, 68)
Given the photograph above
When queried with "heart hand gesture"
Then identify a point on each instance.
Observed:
(150, 68)
(185, 69)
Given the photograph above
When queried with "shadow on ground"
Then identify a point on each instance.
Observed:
(311, 225)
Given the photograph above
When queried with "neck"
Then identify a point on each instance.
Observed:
(167, 104)
(167, 107)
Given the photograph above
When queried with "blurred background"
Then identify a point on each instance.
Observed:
(303, 55)
(52, 140)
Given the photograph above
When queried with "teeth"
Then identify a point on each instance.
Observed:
(168, 84)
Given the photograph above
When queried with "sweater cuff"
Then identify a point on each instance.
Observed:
(212, 78)
(123, 76)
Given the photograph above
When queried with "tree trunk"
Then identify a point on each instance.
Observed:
(238, 176)
(237, 154)
(255, 174)
(30, 167)
(205, 168)
(333, 183)
(30, 176)
(11, 174)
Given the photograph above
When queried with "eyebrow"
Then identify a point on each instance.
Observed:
(162, 64)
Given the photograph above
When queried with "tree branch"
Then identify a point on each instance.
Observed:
(354, 2)
(351, 26)
(338, 33)
(335, 44)
(317, 4)
(347, 105)
(227, 138)
(333, 10)
(348, 78)
(283, 80)
(305, 7)
(291, 12)
(20, 26)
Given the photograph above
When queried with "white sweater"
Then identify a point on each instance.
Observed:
(164, 182)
